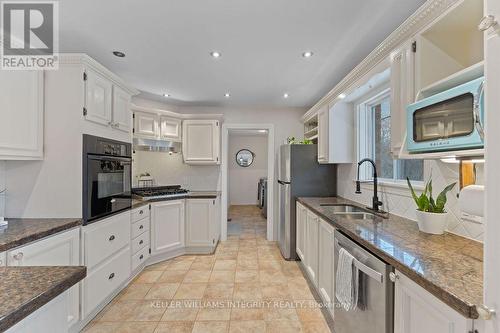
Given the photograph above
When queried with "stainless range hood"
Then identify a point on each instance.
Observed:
(157, 145)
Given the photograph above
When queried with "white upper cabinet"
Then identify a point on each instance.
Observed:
(167, 226)
(200, 141)
(105, 102)
(146, 125)
(402, 92)
(98, 98)
(122, 116)
(21, 114)
(336, 133)
(170, 128)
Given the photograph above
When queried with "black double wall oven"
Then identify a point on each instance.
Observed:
(107, 177)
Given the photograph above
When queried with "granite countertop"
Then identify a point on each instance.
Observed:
(448, 266)
(23, 290)
(203, 194)
(23, 231)
(138, 202)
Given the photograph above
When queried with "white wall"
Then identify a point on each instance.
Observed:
(243, 180)
(169, 169)
(398, 201)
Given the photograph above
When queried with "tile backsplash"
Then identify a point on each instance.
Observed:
(169, 169)
(398, 201)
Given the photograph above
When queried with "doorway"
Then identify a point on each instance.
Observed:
(247, 181)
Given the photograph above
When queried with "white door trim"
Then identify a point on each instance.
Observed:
(270, 174)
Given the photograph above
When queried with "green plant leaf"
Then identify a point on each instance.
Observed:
(413, 194)
(441, 199)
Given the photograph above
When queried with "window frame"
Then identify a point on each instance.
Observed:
(365, 135)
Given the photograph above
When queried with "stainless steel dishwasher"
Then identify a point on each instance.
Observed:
(375, 311)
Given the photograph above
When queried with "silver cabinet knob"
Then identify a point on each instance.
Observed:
(18, 256)
(487, 22)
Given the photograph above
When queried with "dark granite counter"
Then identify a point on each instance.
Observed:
(203, 194)
(448, 266)
(23, 231)
(138, 202)
(23, 290)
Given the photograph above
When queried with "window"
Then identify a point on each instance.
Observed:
(374, 141)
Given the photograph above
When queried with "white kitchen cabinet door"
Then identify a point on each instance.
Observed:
(167, 226)
(416, 310)
(59, 250)
(170, 129)
(146, 125)
(21, 115)
(98, 98)
(122, 116)
(402, 93)
(326, 276)
(300, 230)
(312, 233)
(201, 141)
(200, 220)
(323, 136)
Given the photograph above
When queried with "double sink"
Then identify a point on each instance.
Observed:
(349, 212)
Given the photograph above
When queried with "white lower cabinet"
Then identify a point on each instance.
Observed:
(58, 250)
(300, 233)
(416, 310)
(201, 223)
(107, 256)
(167, 226)
(312, 248)
(102, 281)
(326, 273)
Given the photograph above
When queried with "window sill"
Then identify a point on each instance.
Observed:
(393, 187)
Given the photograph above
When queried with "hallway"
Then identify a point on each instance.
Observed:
(245, 286)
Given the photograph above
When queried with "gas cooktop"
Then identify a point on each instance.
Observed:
(160, 192)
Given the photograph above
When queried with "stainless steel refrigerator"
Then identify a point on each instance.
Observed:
(300, 175)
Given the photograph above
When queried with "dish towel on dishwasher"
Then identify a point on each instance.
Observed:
(346, 281)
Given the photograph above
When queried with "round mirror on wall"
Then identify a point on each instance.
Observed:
(244, 157)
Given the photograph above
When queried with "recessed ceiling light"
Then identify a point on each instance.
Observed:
(215, 54)
(119, 54)
(227, 95)
(285, 95)
(307, 54)
(166, 95)
(342, 96)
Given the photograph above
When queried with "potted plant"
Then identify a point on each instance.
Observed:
(431, 215)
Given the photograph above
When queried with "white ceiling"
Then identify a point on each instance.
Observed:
(167, 45)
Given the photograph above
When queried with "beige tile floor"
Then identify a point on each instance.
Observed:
(245, 286)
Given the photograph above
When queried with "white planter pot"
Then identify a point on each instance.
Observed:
(432, 223)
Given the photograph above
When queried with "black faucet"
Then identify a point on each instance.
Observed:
(375, 202)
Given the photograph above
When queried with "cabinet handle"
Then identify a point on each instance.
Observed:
(487, 22)
(18, 256)
(112, 275)
(141, 212)
(141, 227)
(140, 243)
(112, 237)
(141, 257)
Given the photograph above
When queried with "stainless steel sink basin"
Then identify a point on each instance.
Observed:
(357, 216)
(339, 208)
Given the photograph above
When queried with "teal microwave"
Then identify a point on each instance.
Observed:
(447, 121)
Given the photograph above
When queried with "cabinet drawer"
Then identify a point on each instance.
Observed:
(101, 282)
(140, 242)
(104, 238)
(140, 213)
(140, 227)
(140, 257)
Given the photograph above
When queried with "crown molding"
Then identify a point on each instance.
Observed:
(70, 59)
(424, 16)
(161, 112)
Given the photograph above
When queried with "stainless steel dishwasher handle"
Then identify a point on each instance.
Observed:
(377, 276)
